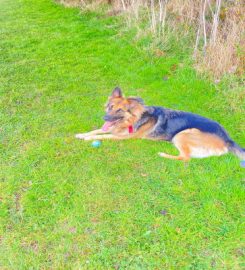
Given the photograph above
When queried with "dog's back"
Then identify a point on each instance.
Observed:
(170, 122)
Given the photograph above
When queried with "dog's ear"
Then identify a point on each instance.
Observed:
(137, 99)
(116, 93)
(135, 106)
(133, 102)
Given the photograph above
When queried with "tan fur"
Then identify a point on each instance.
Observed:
(104, 137)
(88, 134)
(194, 143)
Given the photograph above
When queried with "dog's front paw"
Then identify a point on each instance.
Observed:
(88, 138)
(80, 136)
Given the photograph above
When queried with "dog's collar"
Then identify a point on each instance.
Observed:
(131, 129)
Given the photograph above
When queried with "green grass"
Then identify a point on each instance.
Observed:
(65, 205)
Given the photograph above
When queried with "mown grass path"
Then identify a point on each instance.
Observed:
(65, 205)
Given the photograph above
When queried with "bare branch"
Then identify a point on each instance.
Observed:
(210, 7)
(162, 16)
(198, 31)
(123, 4)
(204, 25)
(153, 17)
(215, 22)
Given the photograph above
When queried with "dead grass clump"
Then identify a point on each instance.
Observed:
(84, 4)
(219, 46)
(184, 11)
(70, 3)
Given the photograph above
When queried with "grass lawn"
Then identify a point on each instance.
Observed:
(66, 205)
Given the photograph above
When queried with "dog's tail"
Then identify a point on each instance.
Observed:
(237, 150)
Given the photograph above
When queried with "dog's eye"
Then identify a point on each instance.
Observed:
(119, 110)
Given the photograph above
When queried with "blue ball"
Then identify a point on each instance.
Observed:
(96, 144)
(242, 163)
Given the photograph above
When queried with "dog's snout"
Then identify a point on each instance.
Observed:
(107, 117)
(112, 118)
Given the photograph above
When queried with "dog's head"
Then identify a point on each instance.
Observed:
(122, 112)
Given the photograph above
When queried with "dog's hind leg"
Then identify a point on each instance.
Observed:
(182, 144)
(183, 155)
(198, 144)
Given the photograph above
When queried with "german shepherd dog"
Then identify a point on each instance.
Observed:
(192, 134)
